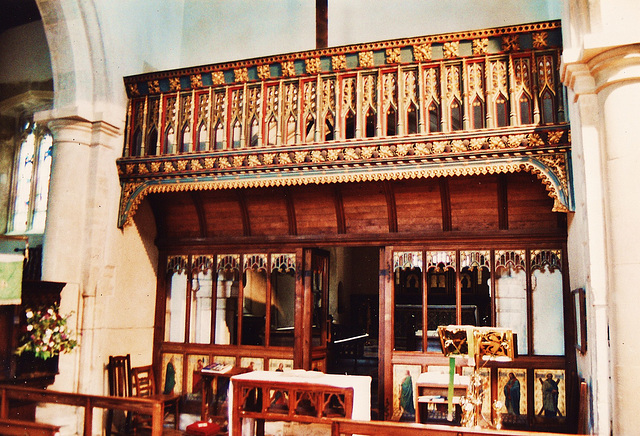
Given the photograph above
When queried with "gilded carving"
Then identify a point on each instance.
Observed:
(403, 149)
(333, 154)
(450, 49)
(499, 77)
(237, 100)
(545, 73)
(480, 46)
(369, 91)
(167, 167)
(421, 149)
(350, 154)
(224, 163)
(142, 169)
(476, 144)
(174, 84)
(312, 65)
(241, 75)
(130, 168)
(439, 146)
(133, 89)
(365, 58)
(422, 52)
(410, 89)
(196, 81)
(217, 78)
(310, 97)
(432, 89)
(238, 161)
(496, 143)
(182, 164)
(253, 161)
(154, 86)
(338, 62)
(349, 94)
(209, 162)
(272, 99)
(288, 69)
(268, 158)
(475, 79)
(540, 40)
(291, 98)
(155, 166)
(328, 102)
(510, 43)
(300, 156)
(284, 158)
(317, 157)
(453, 81)
(522, 74)
(253, 100)
(195, 164)
(367, 152)
(457, 146)
(554, 137)
(534, 140)
(385, 151)
(515, 141)
(393, 55)
(264, 71)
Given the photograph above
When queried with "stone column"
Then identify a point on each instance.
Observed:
(80, 228)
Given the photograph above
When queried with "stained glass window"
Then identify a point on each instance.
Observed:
(33, 170)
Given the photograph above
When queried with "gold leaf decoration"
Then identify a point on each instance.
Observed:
(182, 164)
(393, 55)
(241, 75)
(515, 141)
(264, 72)
(268, 158)
(133, 89)
(284, 158)
(450, 49)
(422, 52)
(316, 156)
(253, 161)
(223, 162)
(403, 149)
(350, 154)
(333, 154)
(440, 146)
(154, 86)
(174, 84)
(510, 43)
(458, 146)
(480, 46)
(496, 143)
(142, 169)
(535, 140)
(209, 162)
(540, 39)
(196, 81)
(312, 65)
(217, 78)
(554, 137)
(338, 62)
(155, 166)
(477, 143)
(238, 161)
(367, 152)
(421, 149)
(385, 151)
(288, 69)
(365, 59)
(300, 156)
(196, 165)
(168, 167)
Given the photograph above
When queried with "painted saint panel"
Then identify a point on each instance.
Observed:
(550, 395)
(405, 391)
(171, 382)
(512, 392)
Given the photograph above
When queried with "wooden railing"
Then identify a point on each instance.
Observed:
(25, 428)
(341, 426)
(143, 406)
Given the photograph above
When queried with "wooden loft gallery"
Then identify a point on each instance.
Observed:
(362, 195)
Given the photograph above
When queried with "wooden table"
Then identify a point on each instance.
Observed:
(301, 396)
(210, 391)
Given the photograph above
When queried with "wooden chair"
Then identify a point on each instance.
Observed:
(119, 371)
(144, 386)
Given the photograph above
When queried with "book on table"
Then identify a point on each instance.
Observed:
(217, 368)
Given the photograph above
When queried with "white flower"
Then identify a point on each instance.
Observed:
(50, 311)
(29, 314)
(29, 327)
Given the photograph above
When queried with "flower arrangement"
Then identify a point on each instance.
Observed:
(47, 333)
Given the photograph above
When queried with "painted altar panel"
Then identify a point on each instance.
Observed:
(512, 393)
(171, 381)
(405, 392)
(550, 397)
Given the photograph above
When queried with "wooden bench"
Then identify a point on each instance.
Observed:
(143, 406)
(26, 428)
(341, 426)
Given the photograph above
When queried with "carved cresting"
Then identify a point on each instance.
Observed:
(479, 102)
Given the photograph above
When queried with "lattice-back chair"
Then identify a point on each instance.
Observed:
(119, 372)
(144, 385)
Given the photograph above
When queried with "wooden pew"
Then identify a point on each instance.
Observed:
(341, 426)
(145, 406)
(25, 428)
